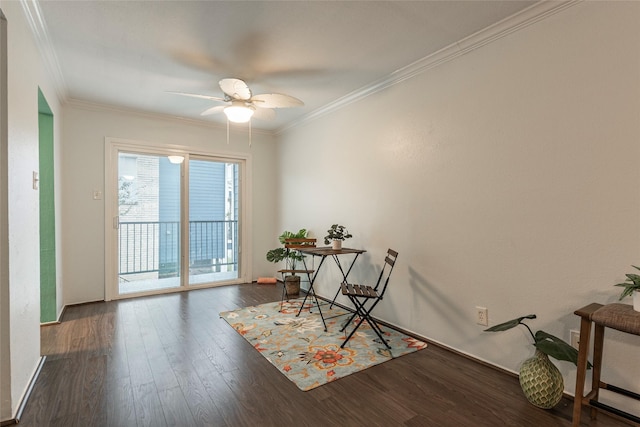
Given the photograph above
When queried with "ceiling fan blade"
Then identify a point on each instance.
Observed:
(264, 114)
(275, 100)
(195, 95)
(213, 110)
(235, 88)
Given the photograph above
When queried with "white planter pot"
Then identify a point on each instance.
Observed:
(336, 244)
(636, 300)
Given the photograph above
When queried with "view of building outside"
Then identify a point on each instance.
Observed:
(149, 222)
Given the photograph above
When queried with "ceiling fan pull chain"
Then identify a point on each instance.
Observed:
(227, 131)
(249, 133)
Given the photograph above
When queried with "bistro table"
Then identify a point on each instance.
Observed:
(323, 253)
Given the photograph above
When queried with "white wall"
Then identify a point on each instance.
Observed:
(25, 74)
(5, 331)
(85, 129)
(506, 178)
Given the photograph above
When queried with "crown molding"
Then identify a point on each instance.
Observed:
(97, 107)
(33, 14)
(529, 16)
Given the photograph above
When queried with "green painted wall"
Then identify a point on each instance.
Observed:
(47, 214)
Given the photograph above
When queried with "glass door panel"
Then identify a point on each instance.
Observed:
(213, 221)
(148, 223)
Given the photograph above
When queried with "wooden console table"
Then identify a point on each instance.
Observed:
(615, 316)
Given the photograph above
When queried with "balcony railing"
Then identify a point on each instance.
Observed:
(154, 246)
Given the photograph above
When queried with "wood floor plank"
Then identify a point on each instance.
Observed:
(137, 358)
(120, 402)
(175, 408)
(147, 406)
(93, 406)
(41, 403)
(198, 399)
(170, 360)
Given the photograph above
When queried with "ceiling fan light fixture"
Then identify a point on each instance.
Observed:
(237, 112)
(176, 160)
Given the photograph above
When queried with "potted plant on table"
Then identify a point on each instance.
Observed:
(632, 288)
(336, 234)
(290, 257)
(540, 380)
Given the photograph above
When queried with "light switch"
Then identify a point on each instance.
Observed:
(35, 180)
(97, 195)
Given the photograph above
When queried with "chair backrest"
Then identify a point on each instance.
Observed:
(385, 273)
(299, 243)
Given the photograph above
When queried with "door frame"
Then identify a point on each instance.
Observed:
(112, 147)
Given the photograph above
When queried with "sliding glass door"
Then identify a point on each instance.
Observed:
(176, 225)
(213, 221)
(148, 223)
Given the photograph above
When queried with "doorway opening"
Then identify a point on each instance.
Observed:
(48, 288)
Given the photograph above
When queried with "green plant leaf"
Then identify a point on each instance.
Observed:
(631, 285)
(556, 348)
(276, 255)
(301, 234)
(509, 324)
(629, 289)
(633, 277)
(288, 255)
(337, 232)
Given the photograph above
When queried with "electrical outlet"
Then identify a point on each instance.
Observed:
(575, 339)
(482, 316)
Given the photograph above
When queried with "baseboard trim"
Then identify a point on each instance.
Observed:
(428, 341)
(565, 393)
(27, 394)
(61, 315)
(58, 320)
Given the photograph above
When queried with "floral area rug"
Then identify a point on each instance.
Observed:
(300, 348)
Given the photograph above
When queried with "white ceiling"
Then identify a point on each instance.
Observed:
(127, 54)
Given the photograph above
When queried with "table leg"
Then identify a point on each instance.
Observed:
(598, 346)
(312, 292)
(581, 373)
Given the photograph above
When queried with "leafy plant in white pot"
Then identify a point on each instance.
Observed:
(336, 234)
(632, 288)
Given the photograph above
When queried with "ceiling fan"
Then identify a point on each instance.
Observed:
(242, 104)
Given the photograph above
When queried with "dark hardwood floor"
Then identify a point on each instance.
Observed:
(171, 361)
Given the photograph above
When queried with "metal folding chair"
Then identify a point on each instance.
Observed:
(360, 295)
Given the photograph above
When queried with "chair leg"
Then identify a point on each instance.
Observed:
(364, 315)
(357, 312)
(374, 325)
(358, 308)
(375, 328)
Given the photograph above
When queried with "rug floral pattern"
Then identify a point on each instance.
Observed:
(300, 348)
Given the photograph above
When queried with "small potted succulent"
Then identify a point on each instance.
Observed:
(632, 288)
(336, 234)
(290, 257)
(540, 380)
